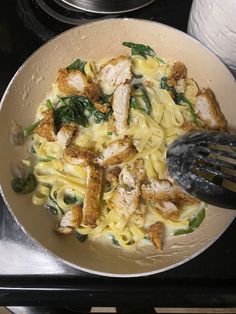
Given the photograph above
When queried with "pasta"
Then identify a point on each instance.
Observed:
(100, 143)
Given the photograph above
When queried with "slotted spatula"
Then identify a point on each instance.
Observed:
(204, 164)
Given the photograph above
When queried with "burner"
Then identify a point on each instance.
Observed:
(106, 6)
(47, 18)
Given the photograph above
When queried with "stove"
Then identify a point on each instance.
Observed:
(29, 275)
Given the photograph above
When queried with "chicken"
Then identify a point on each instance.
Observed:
(156, 234)
(92, 196)
(116, 71)
(208, 110)
(124, 200)
(164, 191)
(179, 71)
(71, 220)
(168, 210)
(78, 156)
(112, 174)
(65, 134)
(75, 82)
(46, 126)
(139, 215)
(104, 108)
(189, 126)
(117, 152)
(120, 105)
(133, 174)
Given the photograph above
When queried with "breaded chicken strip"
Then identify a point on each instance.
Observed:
(46, 126)
(120, 105)
(133, 174)
(75, 82)
(71, 220)
(162, 190)
(116, 71)
(78, 156)
(168, 210)
(156, 234)
(65, 134)
(208, 110)
(117, 152)
(178, 76)
(92, 196)
(112, 174)
(124, 200)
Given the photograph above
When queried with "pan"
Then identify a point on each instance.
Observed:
(30, 85)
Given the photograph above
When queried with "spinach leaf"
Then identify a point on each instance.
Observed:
(81, 237)
(30, 129)
(193, 224)
(49, 104)
(53, 207)
(181, 99)
(77, 65)
(115, 241)
(145, 97)
(164, 85)
(72, 110)
(69, 199)
(134, 104)
(142, 50)
(24, 185)
(103, 99)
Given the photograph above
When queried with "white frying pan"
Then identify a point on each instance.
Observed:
(29, 87)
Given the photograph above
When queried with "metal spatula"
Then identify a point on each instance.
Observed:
(204, 164)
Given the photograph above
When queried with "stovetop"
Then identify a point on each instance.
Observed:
(28, 275)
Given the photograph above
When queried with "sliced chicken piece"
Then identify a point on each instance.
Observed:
(117, 152)
(208, 110)
(179, 71)
(112, 174)
(116, 71)
(78, 156)
(164, 191)
(133, 174)
(46, 126)
(65, 134)
(71, 220)
(168, 210)
(156, 234)
(139, 215)
(92, 196)
(75, 82)
(120, 105)
(104, 108)
(189, 126)
(125, 201)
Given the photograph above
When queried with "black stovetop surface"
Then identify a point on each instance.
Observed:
(29, 276)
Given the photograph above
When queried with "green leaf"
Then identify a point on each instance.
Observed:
(53, 210)
(115, 241)
(181, 99)
(77, 65)
(72, 199)
(142, 50)
(134, 104)
(49, 104)
(24, 185)
(30, 129)
(109, 133)
(145, 97)
(53, 207)
(81, 237)
(193, 223)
